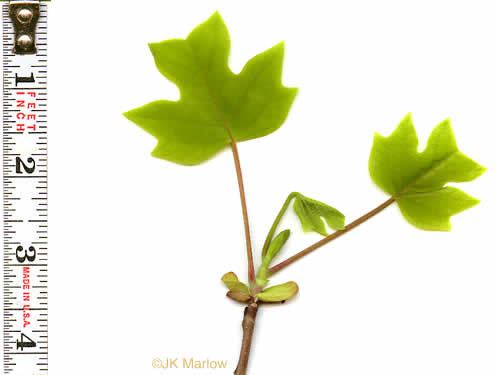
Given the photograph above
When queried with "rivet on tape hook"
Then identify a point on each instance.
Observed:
(24, 16)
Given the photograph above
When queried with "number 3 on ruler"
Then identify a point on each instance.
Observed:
(22, 255)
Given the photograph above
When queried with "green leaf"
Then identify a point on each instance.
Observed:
(417, 179)
(233, 284)
(277, 244)
(216, 105)
(311, 212)
(274, 248)
(279, 293)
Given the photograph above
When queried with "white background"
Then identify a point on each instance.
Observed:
(138, 244)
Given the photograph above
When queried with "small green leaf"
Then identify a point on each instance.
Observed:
(233, 284)
(277, 244)
(278, 293)
(238, 296)
(311, 212)
(216, 106)
(274, 248)
(417, 179)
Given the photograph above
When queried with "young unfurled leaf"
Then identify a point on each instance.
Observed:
(417, 179)
(216, 105)
(279, 293)
(274, 248)
(238, 296)
(277, 244)
(233, 284)
(311, 212)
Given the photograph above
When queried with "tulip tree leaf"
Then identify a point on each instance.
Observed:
(311, 212)
(416, 180)
(279, 293)
(233, 284)
(216, 106)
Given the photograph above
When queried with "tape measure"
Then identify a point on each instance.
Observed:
(25, 204)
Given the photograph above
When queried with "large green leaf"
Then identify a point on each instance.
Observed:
(417, 179)
(216, 105)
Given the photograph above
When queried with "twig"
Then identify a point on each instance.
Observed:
(248, 325)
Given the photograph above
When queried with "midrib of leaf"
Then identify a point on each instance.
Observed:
(405, 192)
(210, 93)
(221, 113)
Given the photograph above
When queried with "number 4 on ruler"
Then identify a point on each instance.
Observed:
(21, 344)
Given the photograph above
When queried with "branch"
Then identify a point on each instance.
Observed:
(248, 325)
(332, 236)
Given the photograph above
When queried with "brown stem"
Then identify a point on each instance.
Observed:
(248, 325)
(250, 258)
(332, 236)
